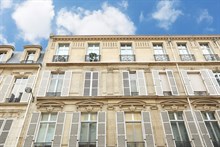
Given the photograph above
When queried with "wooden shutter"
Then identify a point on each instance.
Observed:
(66, 83)
(121, 135)
(31, 129)
(87, 83)
(95, 83)
(4, 91)
(214, 81)
(74, 130)
(186, 81)
(208, 82)
(172, 82)
(147, 129)
(30, 83)
(59, 129)
(157, 83)
(218, 114)
(141, 82)
(193, 132)
(170, 141)
(126, 83)
(5, 131)
(203, 129)
(101, 136)
(44, 83)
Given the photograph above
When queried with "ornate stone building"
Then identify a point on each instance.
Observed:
(122, 91)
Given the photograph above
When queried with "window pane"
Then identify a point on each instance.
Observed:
(92, 132)
(93, 116)
(183, 131)
(137, 116)
(52, 85)
(179, 115)
(53, 117)
(41, 133)
(171, 116)
(50, 133)
(133, 86)
(175, 131)
(84, 116)
(84, 132)
(211, 115)
(45, 117)
(138, 132)
(129, 132)
(128, 116)
(59, 85)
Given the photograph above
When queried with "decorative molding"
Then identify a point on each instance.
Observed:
(89, 106)
(206, 104)
(50, 106)
(174, 105)
(132, 105)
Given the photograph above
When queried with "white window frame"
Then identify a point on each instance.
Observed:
(56, 84)
(206, 48)
(21, 86)
(126, 49)
(158, 49)
(63, 49)
(30, 56)
(93, 48)
(183, 50)
(91, 82)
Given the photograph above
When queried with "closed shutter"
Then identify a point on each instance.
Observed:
(5, 131)
(4, 92)
(66, 83)
(203, 129)
(101, 136)
(59, 129)
(208, 82)
(214, 81)
(74, 130)
(172, 82)
(30, 83)
(44, 83)
(195, 137)
(157, 83)
(218, 114)
(31, 130)
(187, 83)
(87, 83)
(121, 135)
(170, 141)
(141, 82)
(126, 83)
(147, 129)
(95, 83)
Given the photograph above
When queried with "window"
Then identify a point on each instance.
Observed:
(127, 52)
(165, 84)
(56, 82)
(30, 57)
(46, 130)
(207, 52)
(134, 130)
(5, 126)
(182, 49)
(159, 53)
(179, 129)
(217, 77)
(91, 84)
(93, 52)
(62, 53)
(213, 127)
(2, 55)
(184, 53)
(17, 90)
(197, 84)
(205, 48)
(88, 130)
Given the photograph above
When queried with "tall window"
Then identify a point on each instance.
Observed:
(62, 53)
(213, 127)
(158, 49)
(208, 53)
(179, 129)
(2, 55)
(88, 130)
(91, 84)
(93, 52)
(30, 57)
(182, 49)
(127, 52)
(217, 77)
(18, 89)
(205, 48)
(46, 130)
(134, 130)
(56, 82)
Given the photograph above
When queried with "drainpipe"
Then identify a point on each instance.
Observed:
(28, 106)
(185, 90)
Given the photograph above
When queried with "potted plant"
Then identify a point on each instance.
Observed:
(93, 57)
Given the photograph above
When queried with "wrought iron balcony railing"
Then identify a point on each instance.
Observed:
(187, 57)
(60, 58)
(27, 61)
(183, 144)
(42, 144)
(200, 93)
(161, 57)
(87, 144)
(211, 57)
(135, 144)
(127, 58)
(53, 93)
(96, 58)
(14, 99)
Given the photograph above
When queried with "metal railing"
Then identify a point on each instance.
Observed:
(92, 59)
(182, 144)
(27, 61)
(135, 144)
(87, 144)
(53, 93)
(60, 58)
(161, 57)
(134, 93)
(200, 93)
(42, 144)
(187, 57)
(127, 57)
(211, 57)
(13, 99)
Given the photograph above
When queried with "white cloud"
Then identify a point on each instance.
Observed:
(141, 17)
(166, 13)
(106, 21)
(5, 4)
(123, 4)
(33, 19)
(4, 41)
(205, 17)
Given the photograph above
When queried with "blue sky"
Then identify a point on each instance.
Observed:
(24, 22)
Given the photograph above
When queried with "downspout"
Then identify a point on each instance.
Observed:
(28, 106)
(185, 90)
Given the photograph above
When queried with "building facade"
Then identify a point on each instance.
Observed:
(116, 91)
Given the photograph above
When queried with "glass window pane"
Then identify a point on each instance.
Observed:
(45, 117)
(171, 116)
(179, 115)
(50, 132)
(183, 131)
(137, 116)
(53, 117)
(41, 133)
(92, 132)
(128, 116)
(138, 132)
(133, 86)
(175, 131)
(84, 117)
(84, 132)
(204, 115)
(52, 85)
(129, 132)
(93, 116)
(59, 85)
(211, 115)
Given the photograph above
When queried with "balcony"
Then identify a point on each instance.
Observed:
(182, 143)
(135, 144)
(53, 93)
(27, 61)
(187, 57)
(42, 144)
(127, 57)
(87, 144)
(13, 99)
(60, 58)
(134, 93)
(161, 57)
(200, 93)
(92, 58)
(211, 57)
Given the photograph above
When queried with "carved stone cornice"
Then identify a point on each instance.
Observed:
(50, 106)
(89, 106)
(174, 105)
(206, 104)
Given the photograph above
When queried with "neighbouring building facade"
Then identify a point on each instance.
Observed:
(112, 91)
